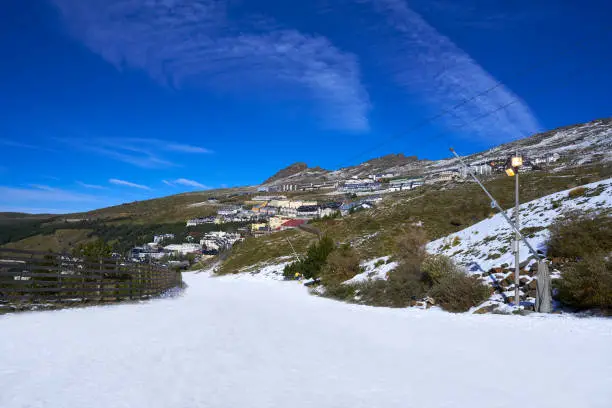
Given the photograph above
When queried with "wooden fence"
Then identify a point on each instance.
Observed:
(30, 276)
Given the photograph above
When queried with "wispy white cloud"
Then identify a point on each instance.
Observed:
(91, 186)
(430, 65)
(168, 183)
(185, 43)
(187, 148)
(15, 196)
(141, 152)
(128, 184)
(20, 145)
(489, 15)
(190, 183)
(35, 210)
(42, 187)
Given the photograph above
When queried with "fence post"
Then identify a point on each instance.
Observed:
(543, 292)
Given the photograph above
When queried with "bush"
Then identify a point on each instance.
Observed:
(341, 265)
(435, 267)
(311, 266)
(405, 285)
(457, 292)
(578, 234)
(410, 246)
(577, 192)
(456, 241)
(345, 293)
(587, 284)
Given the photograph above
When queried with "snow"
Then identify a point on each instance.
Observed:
(373, 272)
(489, 243)
(230, 342)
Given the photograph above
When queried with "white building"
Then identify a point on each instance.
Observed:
(199, 221)
(229, 211)
(157, 239)
(183, 249)
(405, 184)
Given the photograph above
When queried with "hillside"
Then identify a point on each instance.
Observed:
(440, 210)
(587, 143)
(487, 244)
(586, 156)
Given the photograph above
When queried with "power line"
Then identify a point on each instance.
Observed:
(462, 103)
(499, 108)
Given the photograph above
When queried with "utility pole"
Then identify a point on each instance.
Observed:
(543, 294)
(517, 240)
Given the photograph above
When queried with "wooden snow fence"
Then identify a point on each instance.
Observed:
(43, 277)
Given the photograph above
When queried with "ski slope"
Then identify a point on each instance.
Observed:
(247, 342)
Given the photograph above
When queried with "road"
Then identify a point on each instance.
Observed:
(234, 342)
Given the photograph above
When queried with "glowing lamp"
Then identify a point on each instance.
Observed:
(517, 161)
(510, 172)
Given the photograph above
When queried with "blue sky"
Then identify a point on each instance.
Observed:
(111, 101)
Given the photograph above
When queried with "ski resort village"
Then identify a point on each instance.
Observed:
(305, 204)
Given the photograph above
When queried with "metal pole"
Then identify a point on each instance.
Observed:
(496, 205)
(517, 258)
(294, 253)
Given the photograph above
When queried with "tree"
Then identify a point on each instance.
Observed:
(95, 250)
(310, 267)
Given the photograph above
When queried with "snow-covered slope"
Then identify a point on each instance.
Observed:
(242, 343)
(374, 269)
(488, 244)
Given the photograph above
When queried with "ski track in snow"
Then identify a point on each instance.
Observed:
(243, 342)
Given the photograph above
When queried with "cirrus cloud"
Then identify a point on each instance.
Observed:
(119, 182)
(428, 64)
(187, 183)
(193, 43)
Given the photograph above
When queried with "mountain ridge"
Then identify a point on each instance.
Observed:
(588, 142)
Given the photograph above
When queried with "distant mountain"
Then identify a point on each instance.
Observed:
(580, 144)
(577, 144)
(289, 171)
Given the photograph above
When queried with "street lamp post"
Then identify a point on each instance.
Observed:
(512, 170)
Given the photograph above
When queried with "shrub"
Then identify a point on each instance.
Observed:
(341, 265)
(435, 267)
(457, 292)
(310, 267)
(410, 246)
(578, 234)
(577, 192)
(346, 293)
(456, 241)
(95, 250)
(380, 262)
(405, 285)
(587, 284)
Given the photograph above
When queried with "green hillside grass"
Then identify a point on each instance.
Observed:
(440, 210)
(59, 241)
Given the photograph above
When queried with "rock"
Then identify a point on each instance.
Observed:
(486, 309)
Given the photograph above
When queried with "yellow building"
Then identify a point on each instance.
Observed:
(276, 222)
(259, 206)
(257, 227)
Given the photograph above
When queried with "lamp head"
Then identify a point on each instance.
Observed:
(516, 161)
